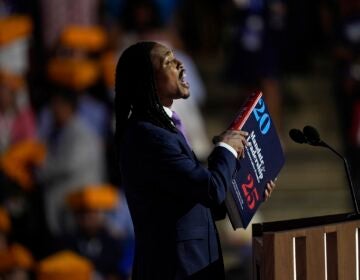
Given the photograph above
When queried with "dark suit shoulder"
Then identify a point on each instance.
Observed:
(148, 127)
(148, 131)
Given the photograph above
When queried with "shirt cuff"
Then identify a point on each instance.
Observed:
(228, 147)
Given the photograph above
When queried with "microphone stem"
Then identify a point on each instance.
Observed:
(332, 149)
(347, 169)
(351, 186)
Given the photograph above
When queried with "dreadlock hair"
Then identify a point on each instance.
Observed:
(135, 89)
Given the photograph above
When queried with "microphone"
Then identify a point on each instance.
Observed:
(312, 137)
(297, 136)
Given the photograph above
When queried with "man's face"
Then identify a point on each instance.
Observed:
(90, 221)
(7, 98)
(169, 75)
(62, 111)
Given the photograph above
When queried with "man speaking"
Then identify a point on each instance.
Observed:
(172, 198)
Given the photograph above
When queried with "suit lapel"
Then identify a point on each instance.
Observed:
(184, 143)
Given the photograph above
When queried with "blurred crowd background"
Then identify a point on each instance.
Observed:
(63, 214)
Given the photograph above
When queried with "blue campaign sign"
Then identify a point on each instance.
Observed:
(263, 161)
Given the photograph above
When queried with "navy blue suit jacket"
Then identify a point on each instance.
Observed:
(171, 197)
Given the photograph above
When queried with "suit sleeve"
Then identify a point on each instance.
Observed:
(175, 172)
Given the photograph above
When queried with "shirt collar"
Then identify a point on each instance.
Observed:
(168, 112)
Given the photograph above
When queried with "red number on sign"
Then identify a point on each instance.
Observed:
(250, 192)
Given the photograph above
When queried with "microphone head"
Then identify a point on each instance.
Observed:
(297, 136)
(312, 135)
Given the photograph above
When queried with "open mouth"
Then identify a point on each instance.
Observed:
(182, 77)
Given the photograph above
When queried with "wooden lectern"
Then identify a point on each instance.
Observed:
(321, 248)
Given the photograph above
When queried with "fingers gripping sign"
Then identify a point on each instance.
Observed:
(235, 138)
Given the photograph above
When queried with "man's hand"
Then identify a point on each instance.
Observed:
(234, 138)
(270, 186)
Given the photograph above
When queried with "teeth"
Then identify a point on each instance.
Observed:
(182, 74)
(182, 77)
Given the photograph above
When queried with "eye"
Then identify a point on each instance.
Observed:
(169, 62)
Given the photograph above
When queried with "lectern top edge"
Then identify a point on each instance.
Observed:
(260, 228)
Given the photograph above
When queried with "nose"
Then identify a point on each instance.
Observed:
(179, 65)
